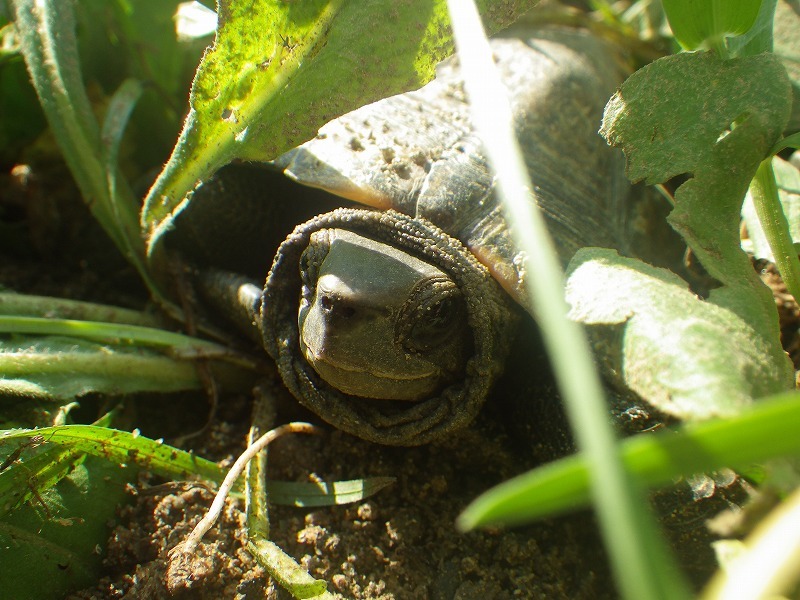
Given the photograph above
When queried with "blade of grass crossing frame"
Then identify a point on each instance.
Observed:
(642, 564)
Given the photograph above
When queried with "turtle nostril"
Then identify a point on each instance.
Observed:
(336, 307)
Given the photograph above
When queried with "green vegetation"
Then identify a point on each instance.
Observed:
(717, 114)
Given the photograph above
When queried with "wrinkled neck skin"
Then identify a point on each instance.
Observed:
(374, 321)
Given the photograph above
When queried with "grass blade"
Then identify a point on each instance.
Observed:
(642, 564)
(47, 40)
(766, 430)
(125, 447)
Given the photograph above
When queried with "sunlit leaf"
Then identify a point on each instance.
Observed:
(278, 71)
(697, 115)
(689, 358)
(124, 447)
(58, 541)
(695, 22)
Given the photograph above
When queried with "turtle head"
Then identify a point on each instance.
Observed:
(377, 322)
(384, 325)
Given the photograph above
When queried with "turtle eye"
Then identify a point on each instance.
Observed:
(433, 314)
(435, 324)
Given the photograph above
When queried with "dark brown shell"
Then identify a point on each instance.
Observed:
(416, 152)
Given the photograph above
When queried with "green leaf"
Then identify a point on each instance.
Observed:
(119, 40)
(278, 71)
(40, 480)
(790, 141)
(688, 358)
(124, 447)
(766, 430)
(63, 358)
(41, 471)
(28, 305)
(697, 115)
(282, 567)
(694, 23)
(60, 548)
(758, 38)
(325, 494)
(787, 48)
(287, 572)
(47, 40)
(62, 368)
(115, 333)
(119, 111)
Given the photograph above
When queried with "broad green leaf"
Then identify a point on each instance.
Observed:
(697, 115)
(689, 358)
(41, 471)
(31, 464)
(60, 548)
(695, 23)
(278, 71)
(766, 430)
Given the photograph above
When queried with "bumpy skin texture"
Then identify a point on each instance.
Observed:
(396, 423)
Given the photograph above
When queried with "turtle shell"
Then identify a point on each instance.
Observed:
(415, 160)
(416, 153)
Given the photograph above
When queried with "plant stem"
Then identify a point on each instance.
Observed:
(776, 229)
(181, 346)
(28, 305)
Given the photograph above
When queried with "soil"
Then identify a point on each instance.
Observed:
(401, 543)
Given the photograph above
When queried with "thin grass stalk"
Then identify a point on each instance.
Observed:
(643, 566)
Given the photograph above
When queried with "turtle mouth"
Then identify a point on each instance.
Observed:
(372, 383)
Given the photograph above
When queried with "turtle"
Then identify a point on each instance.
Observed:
(392, 317)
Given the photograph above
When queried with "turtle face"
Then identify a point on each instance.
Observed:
(376, 322)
